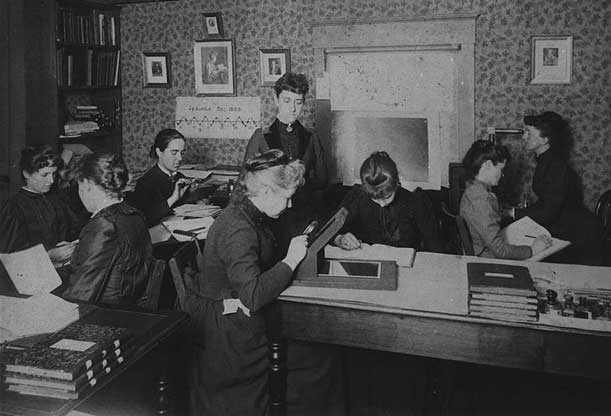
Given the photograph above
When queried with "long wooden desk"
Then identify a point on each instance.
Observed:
(151, 329)
(346, 318)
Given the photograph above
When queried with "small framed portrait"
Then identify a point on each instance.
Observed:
(156, 67)
(215, 72)
(551, 59)
(213, 25)
(273, 64)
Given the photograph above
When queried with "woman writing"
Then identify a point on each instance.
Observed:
(111, 261)
(484, 164)
(243, 274)
(162, 187)
(33, 215)
(559, 205)
(381, 211)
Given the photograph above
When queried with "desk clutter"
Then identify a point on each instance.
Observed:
(66, 364)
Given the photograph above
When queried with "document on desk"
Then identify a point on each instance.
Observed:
(525, 230)
(39, 314)
(196, 210)
(404, 256)
(185, 230)
(31, 270)
(195, 171)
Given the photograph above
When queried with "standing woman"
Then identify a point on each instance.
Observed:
(35, 216)
(242, 274)
(559, 205)
(111, 261)
(162, 187)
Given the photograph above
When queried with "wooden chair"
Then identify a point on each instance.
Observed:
(150, 302)
(466, 241)
(184, 266)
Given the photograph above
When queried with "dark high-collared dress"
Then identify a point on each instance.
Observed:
(230, 372)
(151, 195)
(30, 218)
(408, 221)
(111, 262)
(559, 208)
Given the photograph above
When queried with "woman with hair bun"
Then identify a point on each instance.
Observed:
(162, 187)
(111, 262)
(559, 206)
(484, 164)
(380, 211)
(243, 273)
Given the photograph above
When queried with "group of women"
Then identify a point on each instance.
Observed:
(254, 245)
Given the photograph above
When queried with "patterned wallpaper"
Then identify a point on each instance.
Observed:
(502, 67)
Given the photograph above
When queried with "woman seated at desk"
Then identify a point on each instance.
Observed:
(35, 216)
(111, 261)
(381, 211)
(162, 187)
(559, 205)
(484, 164)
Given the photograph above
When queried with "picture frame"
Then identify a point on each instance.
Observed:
(156, 68)
(213, 25)
(215, 73)
(273, 63)
(551, 59)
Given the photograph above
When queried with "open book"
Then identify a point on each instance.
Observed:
(404, 256)
(524, 231)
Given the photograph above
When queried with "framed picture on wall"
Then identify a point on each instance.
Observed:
(213, 25)
(273, 63)
(215, 67)
(551, 59)
(156, 69)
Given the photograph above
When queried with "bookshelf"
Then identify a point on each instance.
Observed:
(87, 63)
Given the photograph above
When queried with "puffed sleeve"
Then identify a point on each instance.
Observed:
(255, 288)
(352, 204)
(256, 144)
(92, 260)
(12, 223)
(149, 199)
(483, 220)
(318, 176)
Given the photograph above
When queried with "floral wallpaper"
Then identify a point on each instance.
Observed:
(502, 67)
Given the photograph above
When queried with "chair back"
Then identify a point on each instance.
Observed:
(150, 301)
(185, 266)
(466, 241)
(603, 211)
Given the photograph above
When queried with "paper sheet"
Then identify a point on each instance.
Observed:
(196, 210)
(31, 270)
(404, 256)
(44, 313)
(523, 232)
(196, 228)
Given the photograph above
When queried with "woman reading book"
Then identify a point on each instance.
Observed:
(111, 261)
(380, 211)
(484, 164)
(162, 187)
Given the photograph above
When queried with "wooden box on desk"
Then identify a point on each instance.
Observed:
(315, 270)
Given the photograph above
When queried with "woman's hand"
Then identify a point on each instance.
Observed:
(180, 187)
(541, 243)
(347, 241)
(297, 251)
(62, 251)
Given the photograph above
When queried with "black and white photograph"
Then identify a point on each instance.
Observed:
(156, 69)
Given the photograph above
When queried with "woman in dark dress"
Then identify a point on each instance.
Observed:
(162, 187)
(112, 259)
(381, 211)
(559, 205)
(242, 274)
(35, 216)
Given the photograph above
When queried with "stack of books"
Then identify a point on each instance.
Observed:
(86, 112)
(502, 291)
(78, 127)
(68, 363)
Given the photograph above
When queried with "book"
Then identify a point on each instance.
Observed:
(502, 279)
(523, 232)
(69, 352)
(59, 393)
(68, 385)
(504, 317)
(504, 298)
(404, 256)
(506, 311)
(506, 305)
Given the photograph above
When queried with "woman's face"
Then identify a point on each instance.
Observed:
(289, 105)
(41, 180)
(533, 138)
(276, 201)
(171, 157)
